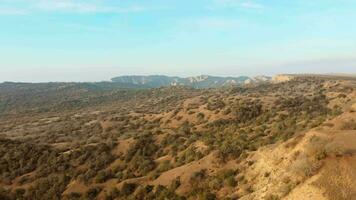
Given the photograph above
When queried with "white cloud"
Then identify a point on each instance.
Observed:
(252, 5)
(84, 7)
(12, 11)
(216, 23)
(66, 6)
(248, 4)
(70, 6)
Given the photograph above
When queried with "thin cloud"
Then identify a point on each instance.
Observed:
(216, 23)
(85, 7)
(69, 6)
(88, 28)
(237, 4)
(12, 11)
(252, 5)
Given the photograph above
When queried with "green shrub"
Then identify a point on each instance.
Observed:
(230, 181)
(127, 189)
(93, 192)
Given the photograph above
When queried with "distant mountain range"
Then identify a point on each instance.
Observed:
(202, 81)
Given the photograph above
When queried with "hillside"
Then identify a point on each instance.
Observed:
(292, 139)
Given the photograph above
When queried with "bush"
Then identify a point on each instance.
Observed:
(230, 181)
(74, 195)
(164, 166)
(4, 194)
(93, 192)
(103, 175)
(19, 193)
(215, 105)
(113, 194)
(175, 184)
(200, 116)
(272, 197)
(207, 196)
(349, 125)
(127, 189)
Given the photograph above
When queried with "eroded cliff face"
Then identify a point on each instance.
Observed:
(282, 78)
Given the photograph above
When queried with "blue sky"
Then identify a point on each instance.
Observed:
(94, 40)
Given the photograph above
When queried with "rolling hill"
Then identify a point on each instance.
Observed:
(274, 140)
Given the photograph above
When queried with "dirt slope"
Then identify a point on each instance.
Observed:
(320, 164)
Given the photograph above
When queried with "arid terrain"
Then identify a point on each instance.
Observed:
(291, 138)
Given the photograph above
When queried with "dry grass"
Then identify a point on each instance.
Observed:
(305, 166)
(337, 178)
(349, 125)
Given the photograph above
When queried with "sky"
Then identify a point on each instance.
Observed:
(95, 40)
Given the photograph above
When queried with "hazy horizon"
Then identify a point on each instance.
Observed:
(95, 40)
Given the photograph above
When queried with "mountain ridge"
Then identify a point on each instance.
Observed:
(202, 81)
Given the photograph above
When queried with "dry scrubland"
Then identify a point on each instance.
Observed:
(292, 140)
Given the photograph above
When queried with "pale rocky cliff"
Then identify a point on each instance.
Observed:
(282, 78)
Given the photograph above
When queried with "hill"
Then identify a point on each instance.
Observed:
(289, 140)
(201, 82)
